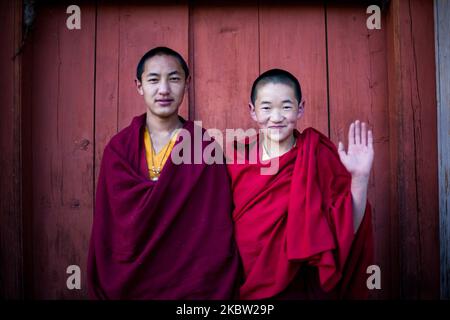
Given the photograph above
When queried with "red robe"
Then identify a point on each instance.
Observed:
(170, 239)
(294, 229)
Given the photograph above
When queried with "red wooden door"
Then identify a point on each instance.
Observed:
(62, 132)
(82, 93)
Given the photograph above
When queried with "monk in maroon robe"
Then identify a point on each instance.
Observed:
(303, 232)
(161, 230)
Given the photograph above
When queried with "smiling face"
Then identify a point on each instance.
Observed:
(163, 84)
(276, 111)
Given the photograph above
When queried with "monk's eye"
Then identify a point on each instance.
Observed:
(153, 80)
(175, 79)
(265, 108)
(287, 107)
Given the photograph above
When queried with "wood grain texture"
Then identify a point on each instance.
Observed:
(413, 147)
(27, 165)
(442, 30)
(225, 62)
(11, 213)
(62, 127)
(358, 91)
(106, 79)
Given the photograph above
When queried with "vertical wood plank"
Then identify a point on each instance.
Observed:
(286, 43)
(413, 147)
(62, 126)
(358, 90)
(11, 214)
(106, 79)
(225, 62)
(442, 32)
(27, 166)
(140, 29)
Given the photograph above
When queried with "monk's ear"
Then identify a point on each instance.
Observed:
(139, 87)
(301, 109)
(251, 108)
(187, 83)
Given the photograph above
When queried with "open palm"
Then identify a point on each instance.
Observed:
(359, 157)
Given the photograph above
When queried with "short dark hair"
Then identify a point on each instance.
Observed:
(276, 76)
(160, 51)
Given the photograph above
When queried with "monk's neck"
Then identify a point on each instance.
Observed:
(274, 149)
(162, 126)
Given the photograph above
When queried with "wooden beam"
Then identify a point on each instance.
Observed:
(11, 245)
(413, 137)
(357, 73)
(442, 30)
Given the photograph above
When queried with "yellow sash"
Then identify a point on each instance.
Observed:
(155, 162)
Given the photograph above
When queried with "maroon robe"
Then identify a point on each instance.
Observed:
(294, 229)
(170, 239)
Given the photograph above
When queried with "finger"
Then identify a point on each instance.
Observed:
(370, 139)
(357, 132)
(363, 134)
(341, 150)
(351, 134)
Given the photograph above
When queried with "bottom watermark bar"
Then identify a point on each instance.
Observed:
(226, 309)
(268, 309)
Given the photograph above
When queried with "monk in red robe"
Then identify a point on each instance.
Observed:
(304, 231)
(161, 230)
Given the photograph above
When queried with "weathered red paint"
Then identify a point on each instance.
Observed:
(79, 91)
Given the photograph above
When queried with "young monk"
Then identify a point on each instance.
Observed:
(305, 231)
(161, 230)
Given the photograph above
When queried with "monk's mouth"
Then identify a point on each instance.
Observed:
(167, 102)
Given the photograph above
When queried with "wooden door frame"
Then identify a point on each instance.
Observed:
(11, 190)
(442, 31)
(412, 117)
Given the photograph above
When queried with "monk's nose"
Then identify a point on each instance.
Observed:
(276, 117)
(164, 88)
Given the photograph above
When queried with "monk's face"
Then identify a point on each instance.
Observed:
(276, 111)
(163, 85)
